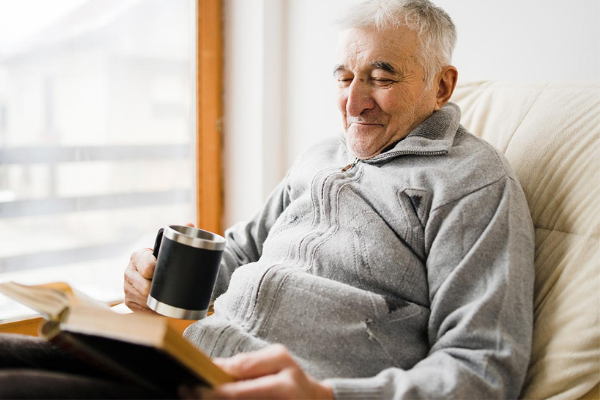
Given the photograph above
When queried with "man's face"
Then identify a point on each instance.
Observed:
(381, 93)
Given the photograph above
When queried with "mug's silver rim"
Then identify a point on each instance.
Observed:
(194, 237)
(174, 312)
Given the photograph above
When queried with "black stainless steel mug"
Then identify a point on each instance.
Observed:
(187, 264)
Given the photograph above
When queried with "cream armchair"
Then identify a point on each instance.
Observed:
(550, 133)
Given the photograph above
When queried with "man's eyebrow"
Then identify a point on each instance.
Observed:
(338, 68)
(386, 66)
(383, 65)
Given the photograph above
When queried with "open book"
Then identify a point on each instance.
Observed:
(139, 348)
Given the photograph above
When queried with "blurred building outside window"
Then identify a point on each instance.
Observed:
(97, 136)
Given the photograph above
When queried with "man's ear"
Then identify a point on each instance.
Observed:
(446, 81)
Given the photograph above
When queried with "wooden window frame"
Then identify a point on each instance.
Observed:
(209, 111)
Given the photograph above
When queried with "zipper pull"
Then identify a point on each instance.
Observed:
(350, 166)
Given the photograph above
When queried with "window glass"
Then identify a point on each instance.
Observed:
(96, 137)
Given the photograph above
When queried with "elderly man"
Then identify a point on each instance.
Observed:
(393, 262)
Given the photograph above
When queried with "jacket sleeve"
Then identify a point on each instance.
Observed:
(245, 239)
(480, 251)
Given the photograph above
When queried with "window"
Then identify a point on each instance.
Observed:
(97, 136)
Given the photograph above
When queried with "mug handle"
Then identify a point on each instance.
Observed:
(157, 242)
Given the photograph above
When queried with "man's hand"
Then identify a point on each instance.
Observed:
(138, 278)
(270, 373)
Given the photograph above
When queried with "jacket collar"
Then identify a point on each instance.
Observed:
(434, 136)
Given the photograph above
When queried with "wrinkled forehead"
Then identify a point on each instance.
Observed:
(365, 45)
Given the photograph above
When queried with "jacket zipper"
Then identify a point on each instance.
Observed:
(409, 152)
(350, 166)
(394, 154)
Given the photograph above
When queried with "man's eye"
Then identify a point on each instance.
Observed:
(382, 81)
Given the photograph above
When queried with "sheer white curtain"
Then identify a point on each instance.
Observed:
(96, 136)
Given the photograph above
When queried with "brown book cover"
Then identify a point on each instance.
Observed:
(140, 348)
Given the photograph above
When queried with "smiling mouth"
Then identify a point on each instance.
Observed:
(365, 124)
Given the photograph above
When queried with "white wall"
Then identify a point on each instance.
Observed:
(533, 40)
(278, 72)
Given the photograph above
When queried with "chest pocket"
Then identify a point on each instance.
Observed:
(415, 205)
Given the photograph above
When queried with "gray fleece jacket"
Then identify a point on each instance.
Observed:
(407, 275)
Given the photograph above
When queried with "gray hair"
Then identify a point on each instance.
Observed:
(436, 31)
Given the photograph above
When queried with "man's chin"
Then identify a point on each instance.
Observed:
(363, 151)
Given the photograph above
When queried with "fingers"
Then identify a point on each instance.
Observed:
(269, 360)
(135, 300)
(278, 386)
(144, 262)
(137, 280)
(270, 373)
(289, 383)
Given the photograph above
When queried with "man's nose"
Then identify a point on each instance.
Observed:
(359, 98)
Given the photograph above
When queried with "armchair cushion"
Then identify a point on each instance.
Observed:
(550, 133)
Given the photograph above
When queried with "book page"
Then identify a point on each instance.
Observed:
(50, 303)
(75, 296)
(51, 300)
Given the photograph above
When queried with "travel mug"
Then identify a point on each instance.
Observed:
(187, 264)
